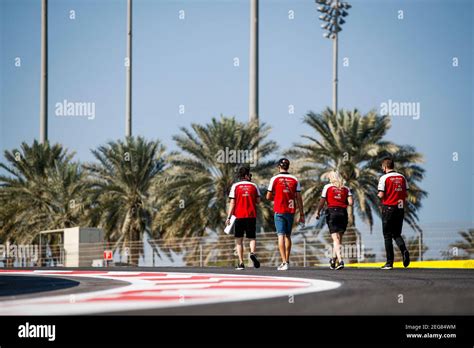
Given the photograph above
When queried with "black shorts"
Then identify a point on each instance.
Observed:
(247, 226)
(337, 219)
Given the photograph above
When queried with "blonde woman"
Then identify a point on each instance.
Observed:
(338, 197)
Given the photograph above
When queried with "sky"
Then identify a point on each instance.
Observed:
(403, 51)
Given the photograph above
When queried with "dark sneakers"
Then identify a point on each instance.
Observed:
(240, 267)
(255, 261)
(332, 263)
(406, 261)
(340, 265)
(406, 258)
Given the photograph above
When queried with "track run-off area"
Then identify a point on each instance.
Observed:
(224, 291)
(153, 290)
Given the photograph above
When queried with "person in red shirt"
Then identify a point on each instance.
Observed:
(285, 191)
(393, 193)
(244, 196)
(338, 197)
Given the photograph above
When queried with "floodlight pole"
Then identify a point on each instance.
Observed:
(128, 69)
(334, 72)
(44, 73)
(253, 71)
(332, 10)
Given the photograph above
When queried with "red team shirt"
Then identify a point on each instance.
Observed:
(395, 186)
(245, 194)
(335, 196)
(284, 188)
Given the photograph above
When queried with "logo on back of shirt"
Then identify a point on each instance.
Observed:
(395, 186)
(286, 188)
(397, 183)
(245, 191)
(336, 196)
(245, 195)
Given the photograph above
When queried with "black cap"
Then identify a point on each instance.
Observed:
(284, 163)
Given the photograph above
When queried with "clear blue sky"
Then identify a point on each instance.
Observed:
(190, 62)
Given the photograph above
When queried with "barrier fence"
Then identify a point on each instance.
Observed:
(309, 248)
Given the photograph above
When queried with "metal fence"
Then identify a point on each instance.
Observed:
(311, 247)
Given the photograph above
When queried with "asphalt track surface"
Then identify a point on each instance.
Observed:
(362, 292)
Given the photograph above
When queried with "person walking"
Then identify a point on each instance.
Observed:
(338, 197)
(392, 190)
(244, 196)
(285, 191)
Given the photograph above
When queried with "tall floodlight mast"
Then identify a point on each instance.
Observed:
(44, 73)
(253, 73)
(128, 69)
(333, 12)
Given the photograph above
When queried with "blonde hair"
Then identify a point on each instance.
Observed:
(336, 179)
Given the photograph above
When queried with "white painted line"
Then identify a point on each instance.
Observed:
(163, 290)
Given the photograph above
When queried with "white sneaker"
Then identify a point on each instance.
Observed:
(283, 267)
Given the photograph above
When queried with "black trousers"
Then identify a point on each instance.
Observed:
(392, 222)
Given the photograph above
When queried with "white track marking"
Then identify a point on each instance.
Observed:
(151, 290)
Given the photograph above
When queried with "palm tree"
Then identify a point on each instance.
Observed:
(196, 186)
(43, 189)
(121, 183)
(466, 243)
(354, 145)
